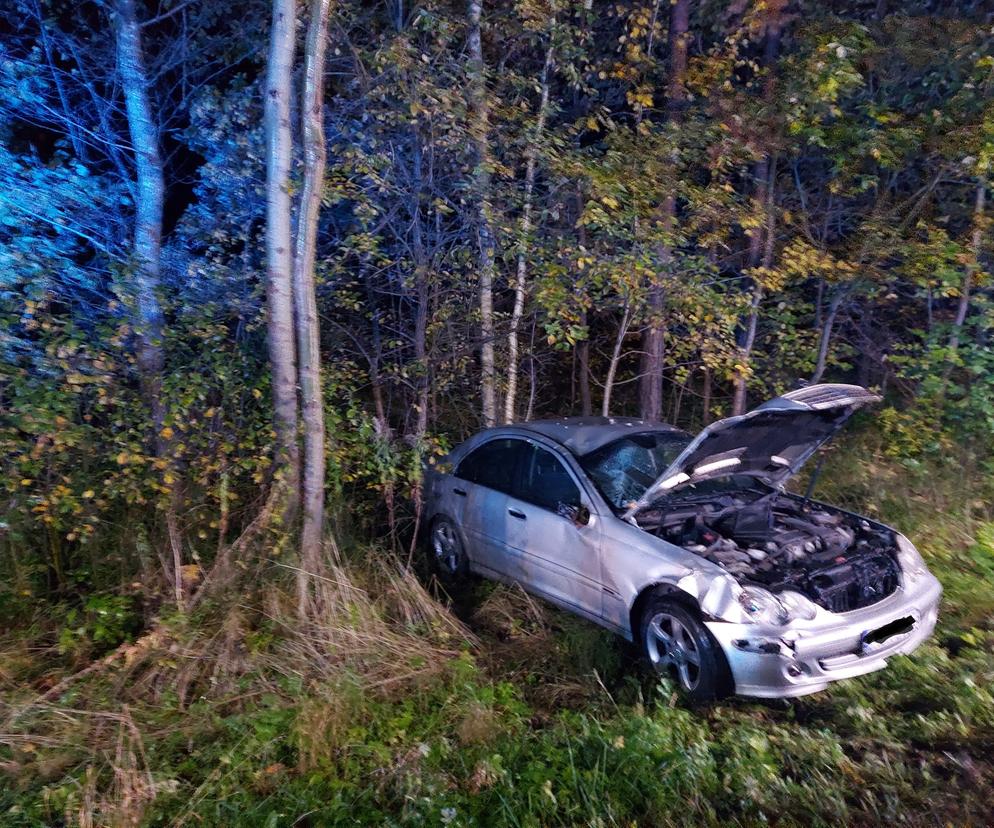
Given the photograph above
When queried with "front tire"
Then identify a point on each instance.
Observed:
(446, 552)
(677, 644)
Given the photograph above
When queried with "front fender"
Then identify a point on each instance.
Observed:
(716, 594)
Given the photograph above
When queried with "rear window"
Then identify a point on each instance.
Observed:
(493, 464)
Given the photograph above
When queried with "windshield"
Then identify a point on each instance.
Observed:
(625, 469)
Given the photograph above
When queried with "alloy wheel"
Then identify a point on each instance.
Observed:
(671, 646)
(446, 547)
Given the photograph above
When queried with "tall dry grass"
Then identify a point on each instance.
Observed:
(370, 629)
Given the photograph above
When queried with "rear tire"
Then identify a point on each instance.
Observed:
(446, 552)
(675, 643)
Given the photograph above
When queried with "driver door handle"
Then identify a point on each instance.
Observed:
(516, 514)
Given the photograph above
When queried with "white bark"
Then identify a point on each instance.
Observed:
(147, 249)
(279, 290)
(150, 191)
(304, 296)
(480, 133)
(521, 277)
(963, 306)
(740, 393)
(612, 369)
(825, 338)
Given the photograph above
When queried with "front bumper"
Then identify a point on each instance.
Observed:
(806, 656)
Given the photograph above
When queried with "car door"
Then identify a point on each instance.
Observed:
(483, 480)
(554, 555)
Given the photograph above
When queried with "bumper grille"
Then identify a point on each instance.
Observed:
(855, 584)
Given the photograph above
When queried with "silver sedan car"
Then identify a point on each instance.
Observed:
(690, 546)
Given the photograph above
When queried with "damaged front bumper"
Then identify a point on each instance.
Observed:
(806, 656)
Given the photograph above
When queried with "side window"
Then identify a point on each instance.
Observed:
(493, 464)
(544, 480)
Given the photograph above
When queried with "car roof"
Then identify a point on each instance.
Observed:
(582, 435)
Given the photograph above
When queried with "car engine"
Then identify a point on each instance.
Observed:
(783, 542)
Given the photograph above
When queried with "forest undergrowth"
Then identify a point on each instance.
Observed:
(390, 706)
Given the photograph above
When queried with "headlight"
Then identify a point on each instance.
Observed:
(798, 606)
(762, 607)
(909, 559)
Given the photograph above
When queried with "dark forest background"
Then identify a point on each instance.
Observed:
(260, 263)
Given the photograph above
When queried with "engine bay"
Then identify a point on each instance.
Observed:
(783, 542)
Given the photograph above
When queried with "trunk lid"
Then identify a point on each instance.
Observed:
(770, 442)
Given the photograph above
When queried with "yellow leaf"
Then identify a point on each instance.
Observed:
(190, 572)
(167, 433)
(122, 458)
(256, 393)
(88, 494)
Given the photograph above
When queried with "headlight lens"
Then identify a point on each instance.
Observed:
(762, 607)
(798, 606)
(909, 559)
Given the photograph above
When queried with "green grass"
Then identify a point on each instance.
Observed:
(541, 720)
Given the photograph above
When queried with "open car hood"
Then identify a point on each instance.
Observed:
(770, 442)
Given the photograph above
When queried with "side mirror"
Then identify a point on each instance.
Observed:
(577, 513)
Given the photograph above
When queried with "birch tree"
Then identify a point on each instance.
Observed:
(294, 331)
(304, 297)
(521, 275)
(963, 305)
(279, 250)
(480, 132)
(147, 250)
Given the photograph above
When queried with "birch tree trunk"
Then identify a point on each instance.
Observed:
(147, 248)
(279, 253)
(963, 306)
(422, 298)
(739, 398)
(521, 280)
(706, 396)
(422, 293)
(150, 191)
(612, 368)
(825, 339)
(480, 134)
(305, 299)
